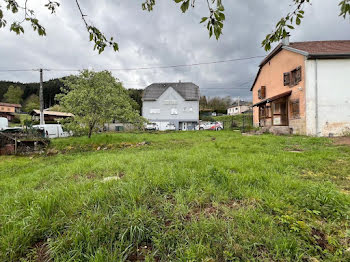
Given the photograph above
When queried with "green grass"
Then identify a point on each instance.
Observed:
(184, 196)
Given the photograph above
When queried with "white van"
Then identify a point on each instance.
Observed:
(4, 123)
(53, 130)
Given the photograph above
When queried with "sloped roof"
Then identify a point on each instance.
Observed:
(10, 105)
(312, 50)
(189, 91)
(52, 113)
(323, 47)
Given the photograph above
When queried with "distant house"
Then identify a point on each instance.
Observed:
(304, 86)
(50, 115)
(172, 103)
(237, 110)
(9, 110)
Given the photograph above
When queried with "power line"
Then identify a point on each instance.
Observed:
(138, 68)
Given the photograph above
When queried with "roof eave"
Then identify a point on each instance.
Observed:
(256, 79)
(298, 51)
(328, 56)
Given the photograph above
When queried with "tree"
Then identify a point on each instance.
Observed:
(215, 19)
(96, 98)
(56, 108)
(203, 104)
(136, 95)
(13, 95)
(31, 103)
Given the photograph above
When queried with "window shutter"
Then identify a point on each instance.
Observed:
(263, 92)
(286, 79)
(298, 75)
(259, 94)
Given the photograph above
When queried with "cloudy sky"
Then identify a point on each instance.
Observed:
(160, 38)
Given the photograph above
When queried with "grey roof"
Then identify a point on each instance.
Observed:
(189, 91)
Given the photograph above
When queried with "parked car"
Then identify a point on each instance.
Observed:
(170, 127)
(210, 126)
(152, 127)
(52, 130)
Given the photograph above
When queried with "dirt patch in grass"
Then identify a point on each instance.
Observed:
(218, 210)
(320, 238)
(42, 252)
(344, 141)
(95, 147)
(89, 176)
(294, 149)
(39, 252)
(141, 253)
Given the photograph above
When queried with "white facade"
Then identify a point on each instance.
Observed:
(327, 97)
(172, 108)
(236, 110)
(4, 123)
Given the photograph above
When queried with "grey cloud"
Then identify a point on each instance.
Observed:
(163, 37)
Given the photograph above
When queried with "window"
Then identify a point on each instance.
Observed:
(262, 92)
(296, 76)
(286, 79)
(155, 111)
(295, 108)
(170, 102)
(174, 111)
(277, 108)
(292, 78)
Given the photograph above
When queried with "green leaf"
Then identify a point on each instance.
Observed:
(204, 19)
(185, 5)
(222, 16)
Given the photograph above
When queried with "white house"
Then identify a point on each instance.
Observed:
(236, 110)
(172, 103)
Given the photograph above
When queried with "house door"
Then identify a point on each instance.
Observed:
(184, 126)
(280, 113)
(284, 114)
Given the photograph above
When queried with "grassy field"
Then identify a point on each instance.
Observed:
(185, 196)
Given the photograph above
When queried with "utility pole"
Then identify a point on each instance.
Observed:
(41, 97)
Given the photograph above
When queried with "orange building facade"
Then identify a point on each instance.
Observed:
(8, 110)
(280, 90)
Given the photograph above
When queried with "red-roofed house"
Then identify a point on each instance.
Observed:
(304, 86)
(8, 110)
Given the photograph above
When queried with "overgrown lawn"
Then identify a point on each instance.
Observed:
(184, 196)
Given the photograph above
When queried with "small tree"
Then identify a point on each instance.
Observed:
(96, 98)
(32, 102)
(13, 95)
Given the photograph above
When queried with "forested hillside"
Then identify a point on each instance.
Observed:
(51, 89)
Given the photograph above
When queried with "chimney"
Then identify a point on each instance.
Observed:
(285, 41)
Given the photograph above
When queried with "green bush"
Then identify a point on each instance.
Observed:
(16, 120)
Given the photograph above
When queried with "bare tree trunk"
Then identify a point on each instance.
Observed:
(90, 131)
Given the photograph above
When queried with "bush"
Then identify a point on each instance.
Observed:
(16, 120)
